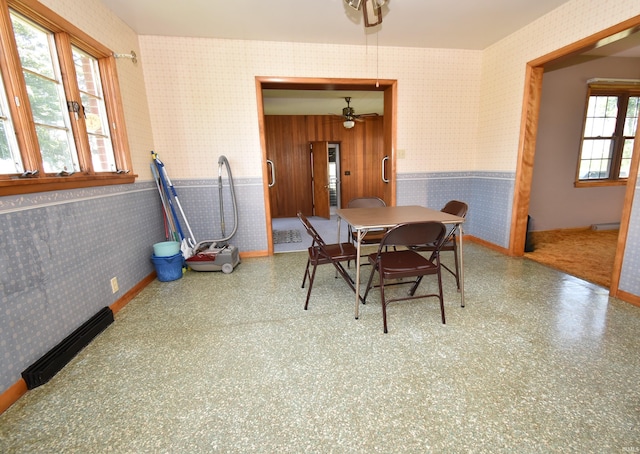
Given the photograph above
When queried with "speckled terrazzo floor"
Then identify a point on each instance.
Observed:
(537, 362)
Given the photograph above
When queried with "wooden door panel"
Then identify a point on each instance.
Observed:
(320, 152)
(361, 152)
(286, 148)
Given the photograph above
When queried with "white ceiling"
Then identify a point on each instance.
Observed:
(463, 24)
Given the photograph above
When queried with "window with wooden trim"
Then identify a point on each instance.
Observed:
(609, 131)
(61, 120)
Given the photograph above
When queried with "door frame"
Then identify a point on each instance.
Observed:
(527, 145)
(388, 86)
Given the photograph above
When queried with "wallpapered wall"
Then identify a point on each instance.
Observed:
(194, 99)
(202, 98)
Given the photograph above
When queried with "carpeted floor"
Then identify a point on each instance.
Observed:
(584, 253)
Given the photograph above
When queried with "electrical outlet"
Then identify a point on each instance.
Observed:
(114, 284)
(400, 154)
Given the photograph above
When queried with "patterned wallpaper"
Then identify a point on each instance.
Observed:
(213, 109)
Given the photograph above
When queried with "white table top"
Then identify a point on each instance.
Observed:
(380, 217)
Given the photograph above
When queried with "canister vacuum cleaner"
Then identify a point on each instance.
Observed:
(218, 254)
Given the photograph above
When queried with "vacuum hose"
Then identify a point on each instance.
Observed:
(223, 160)
(221, 242)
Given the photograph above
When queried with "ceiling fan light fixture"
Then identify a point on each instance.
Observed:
(348, 124)
(355, 4)
(379, 3)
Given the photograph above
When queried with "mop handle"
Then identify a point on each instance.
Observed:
(191, 240)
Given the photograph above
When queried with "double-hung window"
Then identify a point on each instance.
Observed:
(61, 119)
(610, 126)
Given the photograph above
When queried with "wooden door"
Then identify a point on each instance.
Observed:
(320, 179)
(288, 165)
(362, 158)
(362, 153)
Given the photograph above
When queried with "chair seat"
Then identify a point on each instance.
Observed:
(321, 253)
(404, 263)
(448, 246)
(371, 237)
(336, 252)
(399, 264)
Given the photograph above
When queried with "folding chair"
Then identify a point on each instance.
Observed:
(321, 253)
(404, 263)
(372, 236)
(456, 208)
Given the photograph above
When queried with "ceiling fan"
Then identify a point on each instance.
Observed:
(350, 117)
(371, 10)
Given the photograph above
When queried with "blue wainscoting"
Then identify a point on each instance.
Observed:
(489, 195)
(58, 253)
(201, 203)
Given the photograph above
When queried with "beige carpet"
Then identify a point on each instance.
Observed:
(584, 253)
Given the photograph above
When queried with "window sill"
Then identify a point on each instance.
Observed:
(599, 183)
(16, 186)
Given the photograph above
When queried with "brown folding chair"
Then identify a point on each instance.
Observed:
(450, 243)
(372, 236)
(321, 253)
(405, 263)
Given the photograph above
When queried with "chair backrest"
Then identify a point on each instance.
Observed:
(456, 208)
(317, 239)
(366, 202)
(415, 234)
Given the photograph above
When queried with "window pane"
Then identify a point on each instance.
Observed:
(595, 159)
(631, 120)
(46, 95)
(625, 163)
(57, 156)
(44, 99)
(601, 116)
(88, 76)
(10, 159)
(33, 45)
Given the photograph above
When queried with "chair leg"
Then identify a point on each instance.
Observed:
(384, 305)
(366, 292)
(455, 258)
(306, 273)
(311, 278)
(440, 296)
(415, 285)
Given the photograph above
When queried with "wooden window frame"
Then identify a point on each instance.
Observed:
(619, 90)
(66, 35)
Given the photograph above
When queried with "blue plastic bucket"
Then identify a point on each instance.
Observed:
(168, 268)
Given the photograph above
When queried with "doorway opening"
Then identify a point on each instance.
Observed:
(530, 121)
(286, 205)
(334, 177)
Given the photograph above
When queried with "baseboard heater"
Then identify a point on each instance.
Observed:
(53, 361)
(606, 226)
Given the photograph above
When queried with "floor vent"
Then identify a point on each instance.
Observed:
(52, 362)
